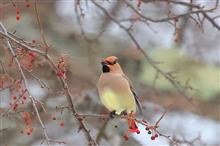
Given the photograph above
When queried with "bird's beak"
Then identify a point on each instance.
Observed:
(103, 62)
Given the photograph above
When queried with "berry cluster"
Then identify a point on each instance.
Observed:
(16, 100)
(18, 14)
(61, 71)
(27, 58)
(32, 57)
(17, 10)
(28, 123)
(153, 132)
(61, 123)
(132, 127)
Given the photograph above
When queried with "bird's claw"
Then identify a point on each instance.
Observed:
(112, 114)
(124, 113)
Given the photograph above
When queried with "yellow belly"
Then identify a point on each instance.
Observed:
(118, 101)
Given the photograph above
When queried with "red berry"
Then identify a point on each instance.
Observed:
(32, 54)
(147, 128)
(176, 19)
(24, 97)
(15, 107)
(60, 74)
(62, 123)
(126, 137)
(27, 5)
(17, 11)
(30, 65)
(54, 118)
(17, 17)
(14, 97)
(138, 132)
(152, 137)
(139, 3)
(33, 41)
(156, 135)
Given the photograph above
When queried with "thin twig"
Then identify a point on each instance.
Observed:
(41, 28)
(102, 130)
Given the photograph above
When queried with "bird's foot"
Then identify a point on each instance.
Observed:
(124, 113)
(112, 114)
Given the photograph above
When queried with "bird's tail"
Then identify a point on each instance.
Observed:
(133, 128)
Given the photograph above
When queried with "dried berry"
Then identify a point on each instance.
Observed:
(147, 129)
(14, 97)
(62, 123)
(125, 137)
(27, 5)
(17, 11)
(54, 118)
(24, 97)
(17, 17)
(33, 41)
(152, 138)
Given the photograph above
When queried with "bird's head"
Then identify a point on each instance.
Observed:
(110, 64)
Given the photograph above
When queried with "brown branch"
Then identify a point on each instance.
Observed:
(161, 117)
(173, 142)
(188, 4)
(4, 129)
(3, 68)
(102, 130)
(159, 20)
(40, 27)
(41, 82)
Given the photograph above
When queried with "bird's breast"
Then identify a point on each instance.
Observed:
(115, 93)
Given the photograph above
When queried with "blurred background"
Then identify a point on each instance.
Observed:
(82, 34)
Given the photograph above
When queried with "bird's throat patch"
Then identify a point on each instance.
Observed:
(105, 69)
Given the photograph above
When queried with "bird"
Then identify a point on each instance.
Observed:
(116, 91)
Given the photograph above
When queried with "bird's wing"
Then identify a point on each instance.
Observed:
(135, 95)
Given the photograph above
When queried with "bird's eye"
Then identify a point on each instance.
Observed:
(111, 63)
(114, 62)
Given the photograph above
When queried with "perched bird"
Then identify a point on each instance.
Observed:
(116, 91)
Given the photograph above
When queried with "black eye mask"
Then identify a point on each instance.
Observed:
(111, 63)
